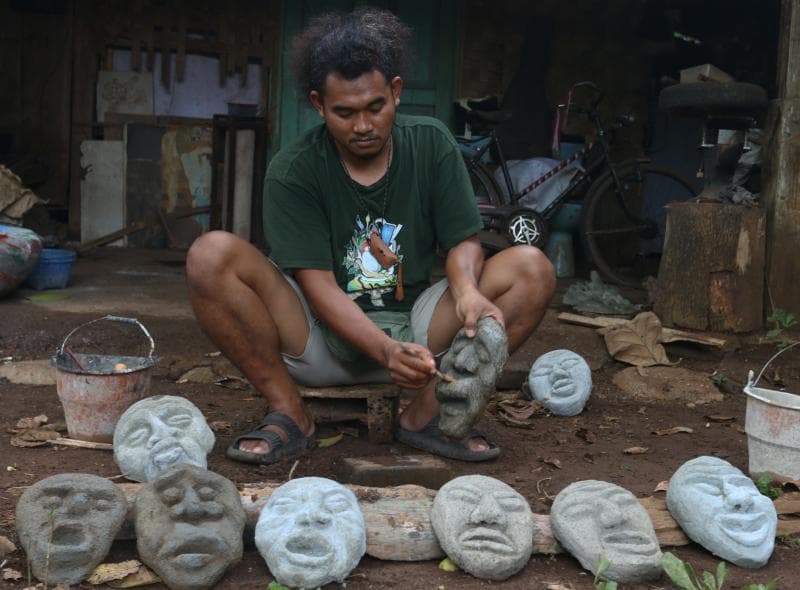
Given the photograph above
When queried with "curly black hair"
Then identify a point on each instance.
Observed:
(350, 45)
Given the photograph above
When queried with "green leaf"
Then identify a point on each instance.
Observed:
(602, 566)
(679, 571)
(273, 585)
(722, 573)
(447, 566)
(710, 582)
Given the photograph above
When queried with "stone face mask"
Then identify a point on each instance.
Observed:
(189, 525)
(66, 524)
(596, 518)
(158, 432)
(562, 381)
(311, 532)
(720, 508)
(476, 364)
(484, 526)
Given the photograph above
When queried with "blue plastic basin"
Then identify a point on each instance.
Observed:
(53, 270)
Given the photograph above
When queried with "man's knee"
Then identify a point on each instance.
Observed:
(209, 255)
(534, 272)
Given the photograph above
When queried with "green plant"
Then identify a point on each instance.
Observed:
(782, 321)
(771, 585)
(599, 582)
(719, 378)
(273, 585)
(768, 487)
(682, 574)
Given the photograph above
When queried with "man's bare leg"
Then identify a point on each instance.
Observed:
(249, 310)
(520, 281)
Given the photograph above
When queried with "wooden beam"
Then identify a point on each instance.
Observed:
(781, 190)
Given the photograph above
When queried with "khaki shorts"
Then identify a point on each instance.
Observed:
(319, 367)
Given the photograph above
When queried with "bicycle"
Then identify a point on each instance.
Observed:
(617, 225)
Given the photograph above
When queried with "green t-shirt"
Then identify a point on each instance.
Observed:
(316, 217)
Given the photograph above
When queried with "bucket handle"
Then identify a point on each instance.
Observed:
(750, 382)
(113, 318)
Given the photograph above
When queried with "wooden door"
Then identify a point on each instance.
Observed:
(429, 85)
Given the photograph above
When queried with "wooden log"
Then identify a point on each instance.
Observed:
(711, 275)
(667, 334)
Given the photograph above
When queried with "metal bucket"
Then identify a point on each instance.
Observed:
(772, 425)
(95, 390)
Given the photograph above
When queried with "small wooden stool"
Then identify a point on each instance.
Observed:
(374, 404)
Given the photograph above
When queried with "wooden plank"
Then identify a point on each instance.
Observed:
(667, 334)
(352, 391)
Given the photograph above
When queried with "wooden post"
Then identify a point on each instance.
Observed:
(712, 272)
(781, 191)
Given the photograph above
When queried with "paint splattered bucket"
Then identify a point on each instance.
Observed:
(772, 424)
(96, 389)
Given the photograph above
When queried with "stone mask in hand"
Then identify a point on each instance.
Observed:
(475, 364)
(720, 508)
(158, 432)
(596, 518)
(311, 532)
(484, 526)
(189, 524)
(66, 524)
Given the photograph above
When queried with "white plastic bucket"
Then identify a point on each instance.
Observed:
(772, 424)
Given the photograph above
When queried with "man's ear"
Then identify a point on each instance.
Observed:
(397, 89)
(317, 102)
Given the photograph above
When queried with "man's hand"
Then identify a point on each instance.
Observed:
(471, 306)
(410, 365)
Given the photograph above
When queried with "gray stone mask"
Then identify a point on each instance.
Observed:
(720, 508)
(189, 525)
(476, 364)
(158, 432)
(73, 517)
(484, 526)
(311, 532)
(562, 381)
(596, 518)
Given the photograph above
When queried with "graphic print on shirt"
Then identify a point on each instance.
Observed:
(364, 272)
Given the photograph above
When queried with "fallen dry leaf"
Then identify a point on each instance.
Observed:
(144, 576)
(34, 438)
(662, 486)
(718, 418)
(637, 341)
(673, 430)
(105, 572)
(232, 382)
(6, 546)
(554, 462)
(587, 435)
(635, 450)
(214, 354)
(11, 574)
(517, 412)
(201, 374)
(220, 426)
(558, 587)
(28, 423)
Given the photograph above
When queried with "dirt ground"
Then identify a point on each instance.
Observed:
(538, 461)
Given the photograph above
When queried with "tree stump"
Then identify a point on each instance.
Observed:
(711, 275)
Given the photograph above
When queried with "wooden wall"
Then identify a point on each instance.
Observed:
(51, 51)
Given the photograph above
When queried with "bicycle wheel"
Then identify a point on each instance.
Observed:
(486, 190)
(624, 233)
